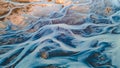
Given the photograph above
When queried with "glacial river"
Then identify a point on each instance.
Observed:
(65, 34)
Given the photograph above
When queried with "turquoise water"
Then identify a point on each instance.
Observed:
(76, 36)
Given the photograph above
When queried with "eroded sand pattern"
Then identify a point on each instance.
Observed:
(59, 33)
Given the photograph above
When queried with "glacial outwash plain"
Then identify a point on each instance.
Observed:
(59, 33)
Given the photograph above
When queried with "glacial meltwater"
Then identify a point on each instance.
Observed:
(59, 33)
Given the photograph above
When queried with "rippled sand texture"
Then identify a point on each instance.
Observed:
(59, 33)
